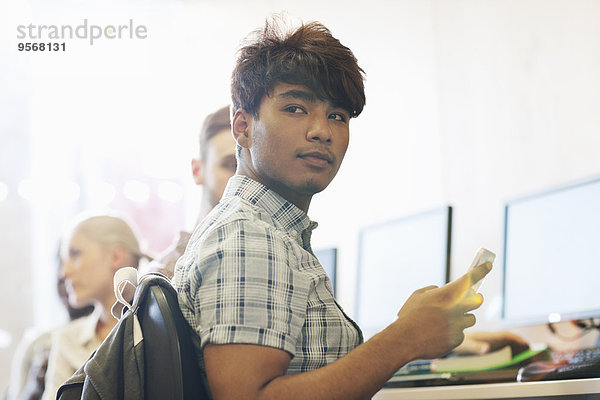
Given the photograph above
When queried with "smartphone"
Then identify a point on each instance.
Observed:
(482, 256)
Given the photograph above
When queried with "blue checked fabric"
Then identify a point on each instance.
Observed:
(249, 276)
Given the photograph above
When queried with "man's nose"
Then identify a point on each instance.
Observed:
(319, 129)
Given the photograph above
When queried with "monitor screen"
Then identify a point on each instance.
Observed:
(395, 259)
(552, 255)
(328, 259)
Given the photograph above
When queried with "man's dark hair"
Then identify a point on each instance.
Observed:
(308, 56)
(214, 123)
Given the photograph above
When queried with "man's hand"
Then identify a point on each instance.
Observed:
(484, 342)
(438, 316)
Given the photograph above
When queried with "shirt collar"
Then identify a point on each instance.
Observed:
(88, 327)
(294, 220)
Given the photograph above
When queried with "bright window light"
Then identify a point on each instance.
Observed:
(5, 339)
(102, 192)
(59, 192)
(3, 191)
(69, 192)
(27, 189)
(136, 191)
(170, 191)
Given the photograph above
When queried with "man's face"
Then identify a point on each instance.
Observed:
(297, 144)
(220, 165)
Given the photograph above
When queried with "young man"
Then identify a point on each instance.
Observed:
(262, 306)
(212, 169)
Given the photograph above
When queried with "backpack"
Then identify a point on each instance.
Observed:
(149, 354)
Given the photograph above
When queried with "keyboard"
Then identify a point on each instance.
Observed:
(583, 363)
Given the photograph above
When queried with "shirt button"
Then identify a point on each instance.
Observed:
(293, 233)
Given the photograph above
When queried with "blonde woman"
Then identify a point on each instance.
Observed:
(94, 249)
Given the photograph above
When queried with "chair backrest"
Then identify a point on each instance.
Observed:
(171, 365)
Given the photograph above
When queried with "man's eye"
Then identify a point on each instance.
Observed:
(295, 110)
(337, 117)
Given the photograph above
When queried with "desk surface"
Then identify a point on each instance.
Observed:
(494, 390)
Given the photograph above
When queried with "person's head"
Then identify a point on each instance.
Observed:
(217, 162)
(95, 248)
(293, 94)
(308, 56)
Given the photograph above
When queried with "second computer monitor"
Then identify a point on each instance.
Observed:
(395, 259)
(551, 255)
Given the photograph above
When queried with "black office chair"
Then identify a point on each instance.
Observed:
(171, 365)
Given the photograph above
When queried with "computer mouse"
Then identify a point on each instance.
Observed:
(537, 370)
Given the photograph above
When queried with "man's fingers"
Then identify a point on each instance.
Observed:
(469, 320)
(426, 288)
(479, 272)
(470, 302)
(462, 285)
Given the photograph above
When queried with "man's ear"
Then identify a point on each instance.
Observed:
(198, 171)
(241, 127)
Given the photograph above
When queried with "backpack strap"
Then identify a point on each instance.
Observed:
(146, 281)
(125, 282)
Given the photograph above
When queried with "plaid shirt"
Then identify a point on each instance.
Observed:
(249, 276)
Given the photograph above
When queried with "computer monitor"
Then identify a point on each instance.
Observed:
(395, 259)
(552, 255)
(328, 259)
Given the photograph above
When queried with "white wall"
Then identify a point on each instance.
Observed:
(469, 103)
(474, 103)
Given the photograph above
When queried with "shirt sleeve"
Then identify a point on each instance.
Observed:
(246, 287)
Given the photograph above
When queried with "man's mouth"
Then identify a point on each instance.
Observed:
(317, 158)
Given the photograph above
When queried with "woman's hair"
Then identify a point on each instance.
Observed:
(308, 55)
(111, 231)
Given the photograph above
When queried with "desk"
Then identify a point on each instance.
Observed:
(588, 389)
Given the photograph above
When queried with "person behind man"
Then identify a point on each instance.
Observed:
(212, 169)
(262, 307)
(216, 162)
(95, 247)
